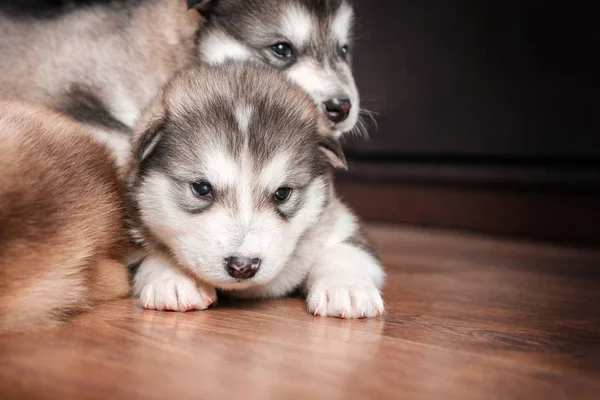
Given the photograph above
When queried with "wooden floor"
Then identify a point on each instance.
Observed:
(467, 318)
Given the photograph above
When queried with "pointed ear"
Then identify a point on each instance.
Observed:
(148, 139)
(332, 149)
(204, 7)
(150, 127)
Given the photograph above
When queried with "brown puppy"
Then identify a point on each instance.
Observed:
(62, 239)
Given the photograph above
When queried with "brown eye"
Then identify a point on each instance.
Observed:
(282, 194)
(201, 188)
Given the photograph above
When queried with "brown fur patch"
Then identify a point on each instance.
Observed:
(62, 219)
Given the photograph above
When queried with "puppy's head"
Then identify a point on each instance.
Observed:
(309, 40)
(233, 167)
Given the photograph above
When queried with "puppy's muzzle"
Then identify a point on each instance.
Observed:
(242, 267)
(337, 110)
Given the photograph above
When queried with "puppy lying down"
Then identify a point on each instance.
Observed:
(230, 187)
(62, 231)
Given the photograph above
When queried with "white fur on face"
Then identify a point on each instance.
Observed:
(243, 115)
(219, 47)
(313, 78)
(222, 168)
(270, 175)
(297, 25)
(323, 84)
(342, 24)
(232, 226)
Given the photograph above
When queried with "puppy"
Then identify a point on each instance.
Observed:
(231, 188)
(62, 236)
(103, 62)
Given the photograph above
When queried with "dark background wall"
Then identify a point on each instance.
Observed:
(469, 78)
(488, 117)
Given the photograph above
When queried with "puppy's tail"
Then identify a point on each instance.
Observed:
(56, 291)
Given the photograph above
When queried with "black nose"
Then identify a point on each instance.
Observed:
(337, 109)
(242, 267)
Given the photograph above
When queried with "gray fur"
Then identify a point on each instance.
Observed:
(195, 119)
(83, 105)
(197, 110)
(255, 22)
(361, 240)
(124, 51)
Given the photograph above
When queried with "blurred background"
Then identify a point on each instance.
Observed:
(487, 116)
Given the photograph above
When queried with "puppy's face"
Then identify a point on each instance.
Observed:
(309, 40)
(232, 174)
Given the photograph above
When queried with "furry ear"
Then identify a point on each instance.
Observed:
(204, 7)
(148, 139)
(332, 149)
(151, 126)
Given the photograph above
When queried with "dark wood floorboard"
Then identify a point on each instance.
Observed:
(468, 317)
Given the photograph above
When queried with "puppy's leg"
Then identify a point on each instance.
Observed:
(345, 282)
(162, 286)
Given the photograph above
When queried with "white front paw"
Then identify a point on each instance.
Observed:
(176, 294)
(161, 287)
(354, 299)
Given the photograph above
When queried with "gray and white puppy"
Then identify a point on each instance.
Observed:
(310, 40)
(103, 62)
(232, 189)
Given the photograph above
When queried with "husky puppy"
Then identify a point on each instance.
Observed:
(102, 62)
(231, 188)
(62, 233)
(309, 40)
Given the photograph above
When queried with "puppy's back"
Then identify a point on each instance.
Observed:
(61, 219)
